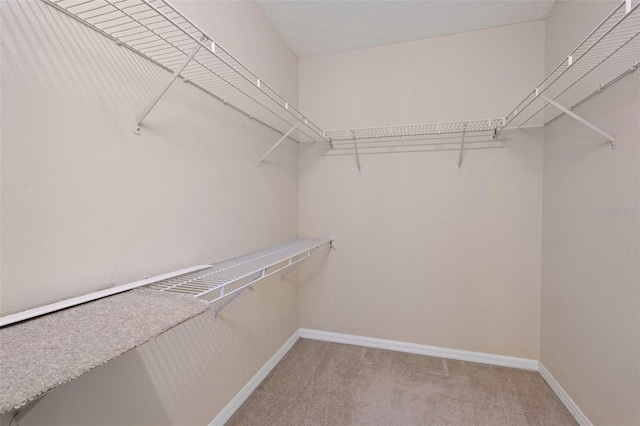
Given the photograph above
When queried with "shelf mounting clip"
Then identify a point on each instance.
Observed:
(286, 135)
(581, 120)
(140, 118)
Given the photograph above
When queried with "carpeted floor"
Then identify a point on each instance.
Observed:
(320, 383)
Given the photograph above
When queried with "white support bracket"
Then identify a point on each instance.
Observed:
(286, 135)
(230, 299)
(581, 120)
(355, 145)
(464, 132)
(140, 118)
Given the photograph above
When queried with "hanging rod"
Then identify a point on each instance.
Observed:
(610, 51)
(157, 31)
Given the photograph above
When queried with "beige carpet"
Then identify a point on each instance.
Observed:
(45, 352)
(320, 383)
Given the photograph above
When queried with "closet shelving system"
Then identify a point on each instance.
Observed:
(211, 282)
(214, 285)
(610, 52)
(158, 32)
(228, 278)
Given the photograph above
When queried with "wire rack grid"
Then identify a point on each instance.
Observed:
(158, 32)
(608, 53)
(411, 130)
(220, 279)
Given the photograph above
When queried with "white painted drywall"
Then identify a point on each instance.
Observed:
(425, 253)
(590, 334)
(86, 204)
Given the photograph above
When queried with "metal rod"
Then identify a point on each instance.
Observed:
(295, 265)
(597, 91)
(355, 144)
(279, 142)
(528, 126)
(580, 119)
(168, 83)
(217, 310)
(536, 92)
(464, 132)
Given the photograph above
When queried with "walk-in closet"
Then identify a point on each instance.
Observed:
(288, 212)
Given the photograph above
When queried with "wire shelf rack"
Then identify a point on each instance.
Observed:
(228, 278)
(412, 130)
(157, 31)
(160, 33)
(608, 53)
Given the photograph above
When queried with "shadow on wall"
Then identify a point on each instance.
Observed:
(121, 381)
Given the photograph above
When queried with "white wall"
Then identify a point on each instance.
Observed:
(590, 336)
(86, 204)
(426, 253)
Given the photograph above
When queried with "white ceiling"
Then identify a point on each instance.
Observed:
(319, 27)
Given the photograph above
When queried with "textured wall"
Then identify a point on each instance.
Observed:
(590, 334)
(86, 204)
(426, 253)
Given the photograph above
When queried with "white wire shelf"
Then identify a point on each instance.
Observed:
(608, 53)
(228, 278)
(412, 130)
(160, 33)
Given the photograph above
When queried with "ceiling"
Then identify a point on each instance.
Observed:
(319, 27)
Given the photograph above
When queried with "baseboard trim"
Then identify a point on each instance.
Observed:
(233, 405)
(395, 345)
(414, 348)
(573, 408)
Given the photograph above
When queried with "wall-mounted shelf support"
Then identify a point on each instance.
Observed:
(226, 303)
(165, 87)
(355, 146)
(581, 120)
(606, 55)
(286, 135)
(464, 132)
(293, 267)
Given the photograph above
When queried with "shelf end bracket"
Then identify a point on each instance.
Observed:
(286, 135)
(581, 120)
(140, 118)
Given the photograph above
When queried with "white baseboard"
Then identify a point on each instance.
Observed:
(573, 408)
(414, 348)
(394, 345)
(228, 411)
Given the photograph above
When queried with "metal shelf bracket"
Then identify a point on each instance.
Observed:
(286, 135)
(355, 145)
(581, 120)
(140, 118)
(464, 132)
